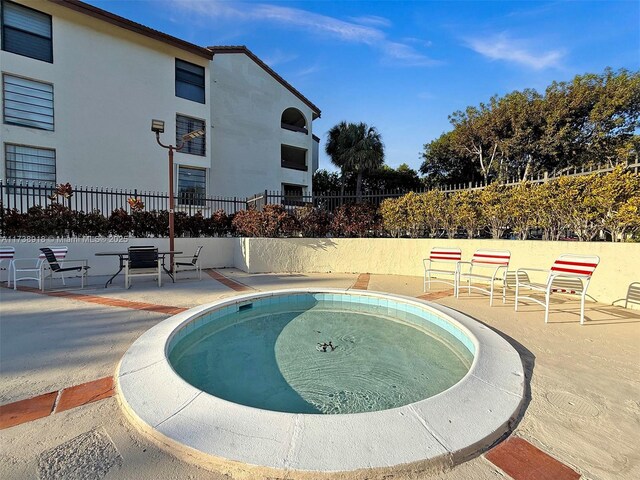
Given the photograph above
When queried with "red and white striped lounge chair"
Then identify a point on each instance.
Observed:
(570, 274)
(486, 266)
(443, 257)
(6, 261)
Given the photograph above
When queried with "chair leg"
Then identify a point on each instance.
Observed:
(491, 295)
(517, 292)
(582, 309)
(546, 305)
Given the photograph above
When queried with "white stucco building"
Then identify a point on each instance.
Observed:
(80, 87)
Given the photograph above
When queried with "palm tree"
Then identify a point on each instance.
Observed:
(355, 147)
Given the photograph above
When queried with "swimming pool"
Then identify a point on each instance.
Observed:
(317, 353)
(226, 425)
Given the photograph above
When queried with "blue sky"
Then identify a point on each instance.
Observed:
(404, 66)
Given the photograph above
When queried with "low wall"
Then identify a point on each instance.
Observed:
(619, 262)
(217, 252)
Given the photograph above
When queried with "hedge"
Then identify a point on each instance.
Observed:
(581, 206)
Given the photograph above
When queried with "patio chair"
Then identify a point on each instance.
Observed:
(447, 264)
(6, 261)
(54, 262)
(142, 261)
(193, 264)
(569, 274)
(485, 266)
(32, 268)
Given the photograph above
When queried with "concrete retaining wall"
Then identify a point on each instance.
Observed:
(217, 252)
(619, 262)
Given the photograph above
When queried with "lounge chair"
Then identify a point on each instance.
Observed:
(53, 262)
(180, 265)
(6, 261)
(485, 266)
(441, 261)
(570, 274)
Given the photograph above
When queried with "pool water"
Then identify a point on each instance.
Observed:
(271, 357)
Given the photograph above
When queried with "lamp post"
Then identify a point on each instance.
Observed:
(157, 126)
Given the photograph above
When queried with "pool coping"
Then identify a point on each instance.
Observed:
(433, 433)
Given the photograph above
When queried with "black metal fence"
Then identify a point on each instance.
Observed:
(326, 201)
(23, 196)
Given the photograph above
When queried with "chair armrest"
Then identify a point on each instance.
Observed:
(80, 260)
(33, 262)
(546, 270)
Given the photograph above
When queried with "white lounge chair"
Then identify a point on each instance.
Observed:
(570, 274)
(33, 268)
(486, 266)
(441, 261)
(6, 261)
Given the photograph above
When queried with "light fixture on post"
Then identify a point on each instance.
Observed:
(157, 126)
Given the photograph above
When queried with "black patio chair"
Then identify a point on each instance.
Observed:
(142, 261)
(194, 264)
(54, 267)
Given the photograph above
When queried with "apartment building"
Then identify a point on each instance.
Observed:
(81, 85)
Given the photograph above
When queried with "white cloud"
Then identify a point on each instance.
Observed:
(278, 58)
(372, 20)
(365, 32)
(503, 47)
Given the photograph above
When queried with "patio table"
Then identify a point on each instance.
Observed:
(123, 256)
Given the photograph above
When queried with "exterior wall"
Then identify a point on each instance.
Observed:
(246, 109)
(619, 262)
(108, 85)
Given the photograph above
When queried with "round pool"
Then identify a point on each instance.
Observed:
(322, 381)
(306, 353)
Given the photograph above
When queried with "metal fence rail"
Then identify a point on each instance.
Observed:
(23, 196)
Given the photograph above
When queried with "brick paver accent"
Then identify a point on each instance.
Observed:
(227, 282)
(522, 461)
(111, 302)
(362, 283)
(85, 393)
(435, 295)
(27, 410)
(30, 409)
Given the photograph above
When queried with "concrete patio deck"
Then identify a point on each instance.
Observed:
(584, 381)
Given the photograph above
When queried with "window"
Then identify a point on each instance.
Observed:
(26, 32)
(192, 186)
(293, 157)
(184, 125)
(27, 102)
(293, 194)
(189, 81)
(30, 164)
(293, 119)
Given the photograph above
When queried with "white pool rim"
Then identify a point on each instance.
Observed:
(439, 431)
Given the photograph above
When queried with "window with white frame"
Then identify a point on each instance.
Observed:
(27, 102)
(190, 81)
(25, 164)
(192, 186)
(26, 32)
(184, 125)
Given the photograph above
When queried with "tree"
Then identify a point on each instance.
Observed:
(357, 148)
(443, 165)
(325, 182)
